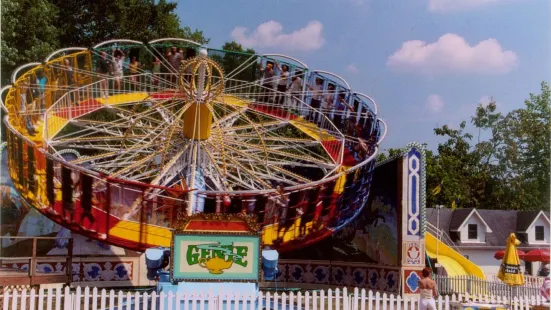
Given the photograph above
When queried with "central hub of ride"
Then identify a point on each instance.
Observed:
(202, 81)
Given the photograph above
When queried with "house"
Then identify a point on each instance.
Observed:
(479, 234)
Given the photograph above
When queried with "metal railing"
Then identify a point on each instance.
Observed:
(476, 286)
(32, 276)
(442, 236)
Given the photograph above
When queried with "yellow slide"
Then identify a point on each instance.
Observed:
(454, 263)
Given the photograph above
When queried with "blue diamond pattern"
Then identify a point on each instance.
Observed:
(297, 273)
(121, 271)
(358, 277)
(390, 280)
(413, 281)
(373, 279)
(320, 275)
(94, 272)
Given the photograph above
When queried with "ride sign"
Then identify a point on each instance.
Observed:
(211, 257)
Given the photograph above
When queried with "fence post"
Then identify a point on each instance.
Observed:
(369, 300)
(95, 299)
(23, 298)
(399, 302)
(32, 300)
(355, 300)
(345, 303)
(49, 299)
(145, 300)
(13, 300)
(162, 300)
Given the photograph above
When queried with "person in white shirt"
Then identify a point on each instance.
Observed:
(118, 67)
(315, 102)
(295, 89)
(328, 101)
(282, 83)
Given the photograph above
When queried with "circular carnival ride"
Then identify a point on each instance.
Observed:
(123, 141)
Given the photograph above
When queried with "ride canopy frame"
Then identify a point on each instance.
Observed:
(123, 141)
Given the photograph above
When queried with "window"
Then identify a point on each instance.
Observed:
(473, 232)
(539, 233)
(528, 268)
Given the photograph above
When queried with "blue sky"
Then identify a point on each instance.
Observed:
(459, 53)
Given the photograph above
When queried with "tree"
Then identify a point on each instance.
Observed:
(526, 152)
(31, 29)
(233, 61)
(509, 170)
(388, 153)
(85, 23)
(28, 33)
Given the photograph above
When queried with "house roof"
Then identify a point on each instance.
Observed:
(526, 218)
(501, 223)
(461, 215)
(445, 217)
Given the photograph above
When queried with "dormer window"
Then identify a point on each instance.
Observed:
(472, 232)
(540, 236)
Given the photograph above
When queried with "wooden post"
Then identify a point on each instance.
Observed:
(108, 203)
(32, 266)
(69, 264)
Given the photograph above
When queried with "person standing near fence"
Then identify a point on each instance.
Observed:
(427, 287)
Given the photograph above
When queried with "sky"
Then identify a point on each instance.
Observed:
(426, 63)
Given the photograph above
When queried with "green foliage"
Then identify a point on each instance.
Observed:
(28, 34)
(84, 23)
(389, 153)
(31, 29)
(509, 170)
(231, 61)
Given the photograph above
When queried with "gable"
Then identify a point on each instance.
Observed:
(540, 219)
(478, 218)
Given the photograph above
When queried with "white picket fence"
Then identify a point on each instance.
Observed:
(93, 299)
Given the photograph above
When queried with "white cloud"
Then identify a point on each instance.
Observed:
(452, 54)
(444, 6)
(351, 68)
(434, 104)
(270, 34)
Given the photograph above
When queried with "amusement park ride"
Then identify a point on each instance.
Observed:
(197, 160)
